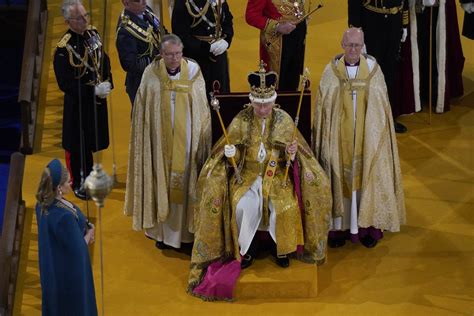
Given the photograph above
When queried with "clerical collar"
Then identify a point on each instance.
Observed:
(173, 72)
(352, 65)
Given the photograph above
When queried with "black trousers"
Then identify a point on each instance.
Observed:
(423, 35)
(382, 39)
(79, 168)
(292, 59)
(216, 70)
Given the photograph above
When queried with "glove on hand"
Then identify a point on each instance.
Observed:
(404, 35)
(429, 3)
(468, 7)
(103, 89)
(219, 47)
(229, 151)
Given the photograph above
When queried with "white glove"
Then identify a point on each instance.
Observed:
(229, 151)
(103, 89)
(285, 27)
(429, 3)
(404, 35)
(219, 47)
(468, 7)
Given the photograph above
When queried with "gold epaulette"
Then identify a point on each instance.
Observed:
(124, 19)
(62, 43)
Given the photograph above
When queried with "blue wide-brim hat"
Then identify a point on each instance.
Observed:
(55, 169)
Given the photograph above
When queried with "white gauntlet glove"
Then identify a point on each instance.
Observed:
(429, 3)
(404, 35)
(468, 7)
(219, 47)
(229, 151)
(103, 89)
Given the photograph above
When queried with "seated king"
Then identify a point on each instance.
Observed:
(260, 180)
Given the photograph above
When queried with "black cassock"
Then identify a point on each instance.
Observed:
(468, 24)
(83, 111)
(212, 67)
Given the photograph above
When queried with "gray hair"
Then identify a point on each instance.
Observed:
(172, 39)
(66, 7)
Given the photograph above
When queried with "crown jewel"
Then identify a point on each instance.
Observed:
(262, 83)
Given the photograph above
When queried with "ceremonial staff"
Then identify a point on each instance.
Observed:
(304, 79)
(216, 107)
(162, 29)
(304, 17)
(430, 60)
(98, 184)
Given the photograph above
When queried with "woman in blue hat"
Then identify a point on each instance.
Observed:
(63, 237)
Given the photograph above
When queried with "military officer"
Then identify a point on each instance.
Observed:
(83, 73)
(385, 26)
(139, 33)
(206, 29)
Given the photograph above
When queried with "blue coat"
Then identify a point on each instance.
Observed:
(65, 268)
(134, 53)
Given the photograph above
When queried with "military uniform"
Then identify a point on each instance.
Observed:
(79, 64)
(199, 23)
(138, 42)
(283, 54)
(382, 22)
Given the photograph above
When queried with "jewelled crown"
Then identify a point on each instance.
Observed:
(262, 85)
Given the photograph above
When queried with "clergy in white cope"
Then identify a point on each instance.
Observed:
(355, 143)
(169, 142)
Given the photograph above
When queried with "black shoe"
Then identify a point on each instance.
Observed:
(81, 194)
(368, 241)
(336, 242)
(186, 248)
(246, 262)
(161, 245)
(283, 261)
(400, 128)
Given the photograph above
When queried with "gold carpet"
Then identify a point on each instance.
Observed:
(426, 269)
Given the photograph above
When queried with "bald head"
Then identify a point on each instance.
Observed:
(353, 33)
(352, 43)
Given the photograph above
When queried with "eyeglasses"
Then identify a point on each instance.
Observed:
(353, 45)
(170, 55)
(84, 17)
